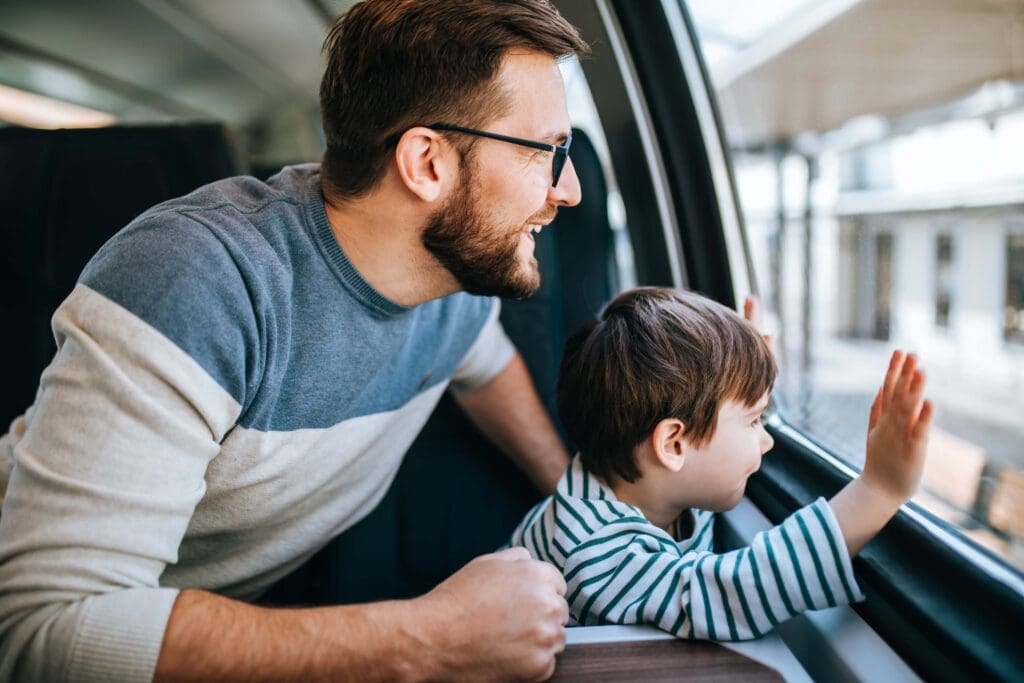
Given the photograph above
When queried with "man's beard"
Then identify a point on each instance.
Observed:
(482, 256)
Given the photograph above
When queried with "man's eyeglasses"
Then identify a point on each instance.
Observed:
(561, 152)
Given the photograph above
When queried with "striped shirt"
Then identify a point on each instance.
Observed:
(621, 569)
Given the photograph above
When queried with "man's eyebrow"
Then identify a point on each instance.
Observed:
(555, 138)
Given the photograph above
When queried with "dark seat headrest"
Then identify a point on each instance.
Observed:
(63, 193)
(575, 254)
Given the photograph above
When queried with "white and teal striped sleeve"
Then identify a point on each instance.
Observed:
(626, 573)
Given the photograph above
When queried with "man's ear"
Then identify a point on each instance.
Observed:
(669, 443)
(425, 162)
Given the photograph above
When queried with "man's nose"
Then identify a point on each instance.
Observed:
(567, 192)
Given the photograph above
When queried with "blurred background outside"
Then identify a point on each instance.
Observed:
(878, 149)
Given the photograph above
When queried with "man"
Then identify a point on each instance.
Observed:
(240, 371)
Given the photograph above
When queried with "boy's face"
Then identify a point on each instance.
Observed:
(717, 473)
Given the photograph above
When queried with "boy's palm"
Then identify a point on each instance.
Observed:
(898, 431)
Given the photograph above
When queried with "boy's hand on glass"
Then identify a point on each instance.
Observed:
(898, 432)
(752, 313)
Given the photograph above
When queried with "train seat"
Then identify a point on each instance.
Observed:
(63, 193)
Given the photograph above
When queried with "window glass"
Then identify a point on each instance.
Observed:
(871, 143)
(23, 108)
(583, 115)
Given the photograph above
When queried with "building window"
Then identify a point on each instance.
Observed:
(883, 285)
(943, 279)
(1013, 318)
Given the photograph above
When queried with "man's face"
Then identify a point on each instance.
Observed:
(720, 469)
(477, 249)
(483, 233)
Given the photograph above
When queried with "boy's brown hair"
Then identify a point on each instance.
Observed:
(395, 64)
(655, 353)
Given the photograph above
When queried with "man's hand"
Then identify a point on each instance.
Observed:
(502, 616)
(898, 431)
(752, 313)
(897, 439)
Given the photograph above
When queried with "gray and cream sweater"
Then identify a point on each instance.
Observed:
(228, 394)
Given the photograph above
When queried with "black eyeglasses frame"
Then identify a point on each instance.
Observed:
(560, 152)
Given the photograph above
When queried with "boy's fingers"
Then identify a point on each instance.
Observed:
(924, 421)
(891, 375)
(910, 401)
(906, 377)
(913, 403)
(876, 409)
(916, 384)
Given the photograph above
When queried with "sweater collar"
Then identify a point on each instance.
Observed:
(347, 274)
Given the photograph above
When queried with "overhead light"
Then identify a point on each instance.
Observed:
(24, 108)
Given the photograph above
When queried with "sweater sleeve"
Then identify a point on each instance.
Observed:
(109, 464)
(488, 355)
(627, 574)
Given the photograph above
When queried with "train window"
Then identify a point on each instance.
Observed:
(870, 147)
(862, 184)
(583, 115)
(24, 108)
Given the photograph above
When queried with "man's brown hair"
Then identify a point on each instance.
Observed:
(395, 64)
(655, 353)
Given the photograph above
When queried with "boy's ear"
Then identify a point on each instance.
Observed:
(669, 443)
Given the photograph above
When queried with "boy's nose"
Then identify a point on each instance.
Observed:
(766, 442)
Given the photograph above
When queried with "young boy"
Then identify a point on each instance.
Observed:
(663, 395)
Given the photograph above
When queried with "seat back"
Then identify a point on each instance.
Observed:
(456, 497)
(63, 193)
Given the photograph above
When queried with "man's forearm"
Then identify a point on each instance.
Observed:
(509, 412)
(210, 637)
